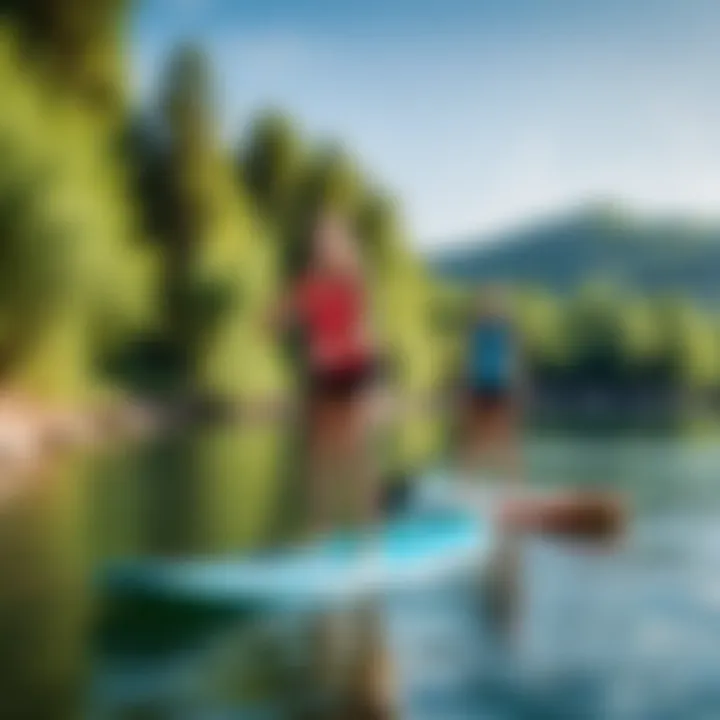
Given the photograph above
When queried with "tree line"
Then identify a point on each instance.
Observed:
(140, 251)
(601, 339)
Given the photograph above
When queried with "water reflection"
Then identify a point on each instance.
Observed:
(219, 492)
(606, 633)
(45, 603)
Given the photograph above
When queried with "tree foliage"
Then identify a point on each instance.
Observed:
(171, 241)
(78, 45)
(217, 272)
(73, 279)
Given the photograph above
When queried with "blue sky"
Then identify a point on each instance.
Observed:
(478, 114)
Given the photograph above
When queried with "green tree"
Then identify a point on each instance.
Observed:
(271, 165)
(688, 343)
(72, 280)
(593, 332)
(404, 302)
(540, 321)
(78, 44)
(330, 181)
(219, 271)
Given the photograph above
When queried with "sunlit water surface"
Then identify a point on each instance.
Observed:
(631, 632)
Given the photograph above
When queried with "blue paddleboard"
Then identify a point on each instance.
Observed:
(335, 569)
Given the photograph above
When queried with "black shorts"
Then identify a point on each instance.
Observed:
(342, 383)
(490, 397)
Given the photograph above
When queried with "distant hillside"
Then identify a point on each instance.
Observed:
(595, 243)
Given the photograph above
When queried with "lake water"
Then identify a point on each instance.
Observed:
(626, 633)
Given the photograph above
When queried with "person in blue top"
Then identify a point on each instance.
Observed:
(490, 380)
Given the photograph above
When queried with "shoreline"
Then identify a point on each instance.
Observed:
(35, 433)
(32, 432)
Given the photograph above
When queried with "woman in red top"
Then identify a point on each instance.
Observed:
(329, 304)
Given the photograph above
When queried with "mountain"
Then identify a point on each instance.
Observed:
(600, 242)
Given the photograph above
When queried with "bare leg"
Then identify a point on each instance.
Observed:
(325, 463)
(493, 440)
(473, 439)
(323, 466)
(504, 442)
(500, 585)
(342, 669)
(370, 689)
(363, 473)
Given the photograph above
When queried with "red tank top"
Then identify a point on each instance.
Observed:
(332, 313)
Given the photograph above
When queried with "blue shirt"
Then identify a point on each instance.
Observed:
(490, 355)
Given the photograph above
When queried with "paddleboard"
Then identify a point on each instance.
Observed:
(418, 548)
